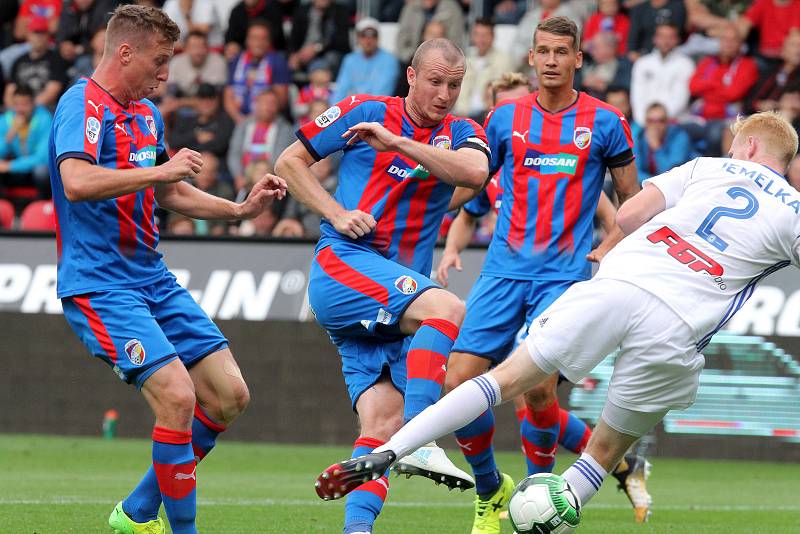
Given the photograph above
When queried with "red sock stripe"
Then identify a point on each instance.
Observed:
(378, 487)
(422, 363)
(176, 480)
(201, 416)
(563, 417)
(476, 444)
(520, 413)
(584, 440)
(537, 455)
(444, 326)
(545, 418)
(372, 443)
(346, 275)
(174, 437)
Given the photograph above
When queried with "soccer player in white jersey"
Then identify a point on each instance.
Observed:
(700, 237)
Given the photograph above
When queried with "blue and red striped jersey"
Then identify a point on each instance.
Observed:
(553, 167)
(407, 203)
(105, 244)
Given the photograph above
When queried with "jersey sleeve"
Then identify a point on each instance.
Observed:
(496, 139)
(468, 134)
(78, 127)
(618, 149)
(323, 135)
(673, 183)
(478, 206)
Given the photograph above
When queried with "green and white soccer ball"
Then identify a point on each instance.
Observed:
(544, 503)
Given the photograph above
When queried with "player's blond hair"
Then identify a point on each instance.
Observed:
(777, 133)
(508, 81)
(137, 24)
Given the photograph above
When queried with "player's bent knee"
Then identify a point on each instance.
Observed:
(382, 428)
(540, 396)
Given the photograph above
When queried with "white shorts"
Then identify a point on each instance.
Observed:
(658, 366)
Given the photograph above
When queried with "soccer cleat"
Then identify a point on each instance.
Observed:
(340, 479)
(122, 524)
(487, 511)
(431, 462)
(633, 482)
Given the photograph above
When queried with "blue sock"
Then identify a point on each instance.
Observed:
(475, 441)
(575, 433)
(365, 502)
(144, 501)
(426, 364)
(175, 467)
(540, 432)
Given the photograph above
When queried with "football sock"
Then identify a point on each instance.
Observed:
(453, 411)
(475, 441)
(586, 476)
(427, 364)
(144, 501)
(174, 464)
(574, 433)
(539, 432)
(365, 502)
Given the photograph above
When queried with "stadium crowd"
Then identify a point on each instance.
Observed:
(247, 73)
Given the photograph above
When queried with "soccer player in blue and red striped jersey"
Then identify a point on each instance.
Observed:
(109, 169)
(369, 285)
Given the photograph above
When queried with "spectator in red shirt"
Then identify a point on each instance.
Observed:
(773, 83)
(49, 10)
(774, 19)
(608, 19)
(719, 84)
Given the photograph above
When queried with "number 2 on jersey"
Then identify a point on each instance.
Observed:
(719, 212)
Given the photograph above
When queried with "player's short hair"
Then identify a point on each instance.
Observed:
(777, 133)
(452, 52)
(559, 26)
(508, 81)
(137, 24)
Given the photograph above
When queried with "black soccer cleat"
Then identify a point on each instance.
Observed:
(341, 478)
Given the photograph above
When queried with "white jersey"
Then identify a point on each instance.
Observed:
(728, 224)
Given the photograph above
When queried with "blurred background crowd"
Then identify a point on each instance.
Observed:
(246, 73)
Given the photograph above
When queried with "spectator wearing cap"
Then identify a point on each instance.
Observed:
(197, 65)
(208, 129)
(49, 10)
(78, 22)
(41, 68)
(319, 31)
(246, 12)
(368, 69)
(417, 13)
(24, 134)
(484, 64)
(255, 70)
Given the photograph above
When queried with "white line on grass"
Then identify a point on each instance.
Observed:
(69, 501)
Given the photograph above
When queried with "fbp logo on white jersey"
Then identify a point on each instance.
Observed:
(145, 157)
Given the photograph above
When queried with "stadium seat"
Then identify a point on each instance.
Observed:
(6, 213)
(38, 216)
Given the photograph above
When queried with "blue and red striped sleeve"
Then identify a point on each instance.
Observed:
(618, 150)
(468, 134)
(323, 135)
(496, 127)
(78, 126)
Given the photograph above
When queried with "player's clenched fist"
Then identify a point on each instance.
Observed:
(268, 188)
(185, 163)
(354, 224)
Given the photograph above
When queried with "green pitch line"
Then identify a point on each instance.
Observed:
(54, 485)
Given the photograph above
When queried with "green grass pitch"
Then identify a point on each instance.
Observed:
(55, 485)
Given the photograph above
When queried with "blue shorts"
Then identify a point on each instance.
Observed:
(359, 296)
(497, 308)
(139, 330)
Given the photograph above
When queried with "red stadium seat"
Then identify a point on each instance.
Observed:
(39, 216)
(6, 213)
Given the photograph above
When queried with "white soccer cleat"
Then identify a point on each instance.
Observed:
(430, 461)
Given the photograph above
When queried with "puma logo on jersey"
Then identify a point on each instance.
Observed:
(95, 106)
(120, 127)
(353, 100)
(520, 135)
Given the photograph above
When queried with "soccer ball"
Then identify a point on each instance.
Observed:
(544, 503)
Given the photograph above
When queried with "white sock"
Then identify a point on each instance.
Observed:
(459, 407)
(586, 476)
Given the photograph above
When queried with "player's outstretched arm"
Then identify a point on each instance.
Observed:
(626, 181)
(186, 199)
(458, 237)
(606, 213)
(466, 167)
(641, 208)
(85, 181)
(293, 165)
